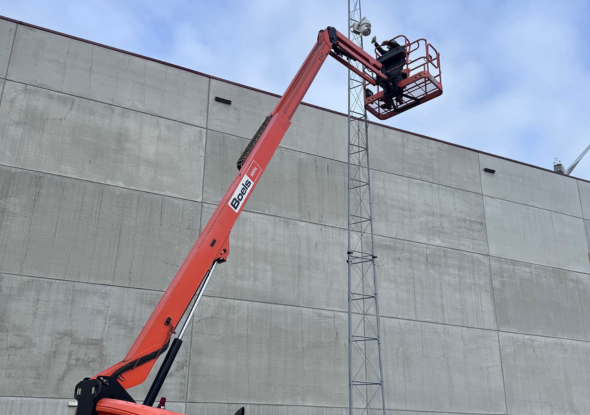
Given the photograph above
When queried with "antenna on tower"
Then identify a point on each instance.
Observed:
(558, 167)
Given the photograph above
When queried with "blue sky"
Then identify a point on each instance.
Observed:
(516, 73)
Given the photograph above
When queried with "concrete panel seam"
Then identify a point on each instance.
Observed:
(245, 209)
(192, 328)
(2, 92)
(270, 404)
(582, 210)
(343, 162)
(205, 151)
(340, 407)
(204, 168)
(265, 404)
(11, 51)
(296, 306)
(345, 312)
(501, 365)
(531, 206)
(62, 399)
(544, 336)
(438, 323)
(415, 411)
(106, 103)
(541, 265)
(281, 147)
(8, 64)
(485, 228)
(81, 282)
(480, 178)
(493, 290)
(284, 217)
(201, 228)
(244, 138)
(208, 104)
(338, 227)
(99, 183)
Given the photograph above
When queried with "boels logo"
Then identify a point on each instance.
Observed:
(239, 197)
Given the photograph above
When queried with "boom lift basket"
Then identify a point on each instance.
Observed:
(421, 81)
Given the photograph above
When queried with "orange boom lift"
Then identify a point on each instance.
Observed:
(402, 81)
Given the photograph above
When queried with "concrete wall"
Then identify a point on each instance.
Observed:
(110, 165)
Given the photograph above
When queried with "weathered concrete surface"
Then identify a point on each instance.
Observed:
(424, 212)
(35, 406)
(529, 186)
(587, 229)
(51, 406)
(534, 299)
(434, 367)
(314, 131)
(428, 283)
(231, 408)
(426, 413)
(57, 133)
(584, 189)
(7, 32)
(282, 261)
(545, 376)
(249, 352)
(88, 71)
(318, 132)
(407, 155)
(63, 228)
(246, 113)
(535, 235)
(72, 331)
(295, 185)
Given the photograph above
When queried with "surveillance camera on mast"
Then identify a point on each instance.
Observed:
(362, 28)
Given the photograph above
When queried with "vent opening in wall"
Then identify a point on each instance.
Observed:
(223, 100)
(489, 170)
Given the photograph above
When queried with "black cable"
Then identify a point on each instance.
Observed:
(252, 142)
(140, 360)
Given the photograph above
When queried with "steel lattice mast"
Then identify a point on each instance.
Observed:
(365, 371)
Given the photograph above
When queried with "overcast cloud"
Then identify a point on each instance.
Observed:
(516, 73)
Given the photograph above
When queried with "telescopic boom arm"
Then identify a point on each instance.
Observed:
(212, 246)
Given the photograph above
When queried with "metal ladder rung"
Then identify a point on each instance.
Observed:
(365, 383)
(361, 256)
(360, 185)
(364, 338)
(360, 253)
(358, 297)
(360, 221)
(361, 262)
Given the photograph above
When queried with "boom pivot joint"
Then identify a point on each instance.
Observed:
(89, 391)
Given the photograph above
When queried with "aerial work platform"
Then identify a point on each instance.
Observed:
(416, 68)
